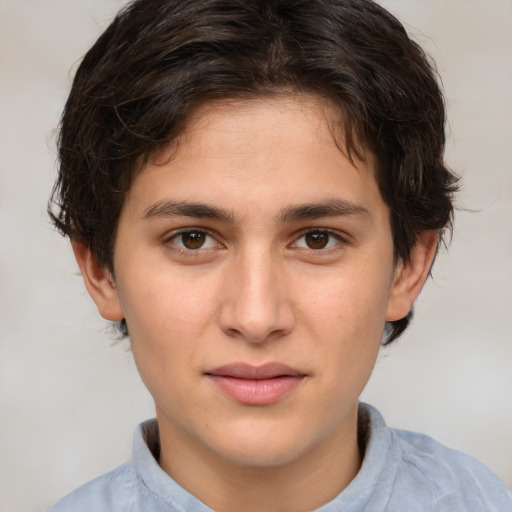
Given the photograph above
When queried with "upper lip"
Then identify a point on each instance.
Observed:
(248, 371)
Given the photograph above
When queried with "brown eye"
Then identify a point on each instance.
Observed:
(193, 239)
(317, 239)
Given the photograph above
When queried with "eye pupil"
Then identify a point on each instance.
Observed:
(193, 240)
(317, 240)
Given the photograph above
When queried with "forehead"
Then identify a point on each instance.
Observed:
(315, 113)
(251, 147)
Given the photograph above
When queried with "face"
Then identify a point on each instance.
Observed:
(254, 267)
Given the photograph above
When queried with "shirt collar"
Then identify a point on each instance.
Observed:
(370, 488)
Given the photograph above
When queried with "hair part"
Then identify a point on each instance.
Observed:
(159, 60)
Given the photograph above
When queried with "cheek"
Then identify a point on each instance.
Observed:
(346, 317)
(165, 318)
(350, 304)
(166, 302)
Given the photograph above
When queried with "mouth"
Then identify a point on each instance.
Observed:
(255, 385)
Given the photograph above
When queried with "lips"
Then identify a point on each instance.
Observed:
(255, 385)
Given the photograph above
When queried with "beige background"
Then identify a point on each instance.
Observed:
(70, 398)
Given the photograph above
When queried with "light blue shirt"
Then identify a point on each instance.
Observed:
(401, 472)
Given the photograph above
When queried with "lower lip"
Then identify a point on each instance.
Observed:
(256, 392)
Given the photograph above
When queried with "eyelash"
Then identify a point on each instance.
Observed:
(340, 240)
(177, 234)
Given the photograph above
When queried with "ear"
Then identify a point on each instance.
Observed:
(410, 276)
(99, 282)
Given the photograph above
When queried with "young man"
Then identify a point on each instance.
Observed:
(255, 193)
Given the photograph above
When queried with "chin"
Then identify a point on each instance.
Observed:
(255, 447)
(258, 456)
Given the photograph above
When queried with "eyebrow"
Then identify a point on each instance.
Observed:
(329, 208)
(307, 211)
(163, 209)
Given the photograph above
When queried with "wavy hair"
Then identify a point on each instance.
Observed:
(160, 59)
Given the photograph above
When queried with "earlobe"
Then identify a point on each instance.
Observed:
(99, 282)
(410, 276)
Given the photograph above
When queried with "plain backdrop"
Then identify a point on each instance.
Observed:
(70, 396)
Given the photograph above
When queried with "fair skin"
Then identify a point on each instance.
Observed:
(254, 266)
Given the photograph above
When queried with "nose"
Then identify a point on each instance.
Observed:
(256, 306)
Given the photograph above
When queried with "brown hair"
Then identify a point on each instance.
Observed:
(159, 59)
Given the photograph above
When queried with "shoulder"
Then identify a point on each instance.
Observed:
(138, 485)
(447, 478)
(113, 491)
(406, 471)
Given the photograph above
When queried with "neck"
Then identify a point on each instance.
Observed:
(303, 484)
